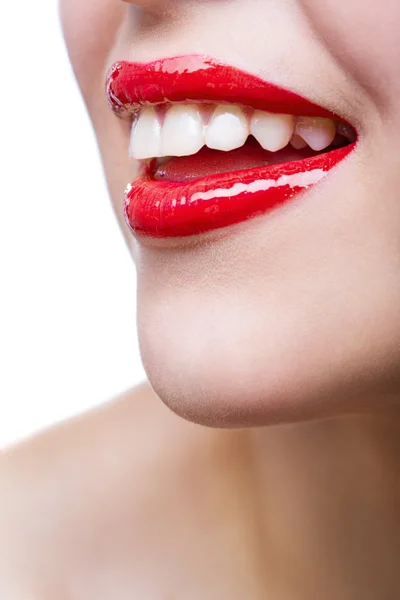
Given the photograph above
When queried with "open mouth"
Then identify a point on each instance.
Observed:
(213, 145)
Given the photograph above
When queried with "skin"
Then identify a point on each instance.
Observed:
(289, 319)
(293, 315)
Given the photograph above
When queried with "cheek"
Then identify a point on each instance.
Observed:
(90, 27)
(363, 37)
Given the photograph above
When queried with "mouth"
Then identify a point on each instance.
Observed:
(213, 146)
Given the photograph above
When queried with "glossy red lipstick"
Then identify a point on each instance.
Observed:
(183, 208)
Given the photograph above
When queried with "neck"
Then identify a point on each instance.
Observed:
(329, 499)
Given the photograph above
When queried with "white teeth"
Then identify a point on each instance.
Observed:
(317, 132)
(272, 131)
(297, 142)
(183, 131)
(146, 135)
(187, 127)
(228, 128)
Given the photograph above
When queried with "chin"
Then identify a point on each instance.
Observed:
(237, 358)
(237, 391)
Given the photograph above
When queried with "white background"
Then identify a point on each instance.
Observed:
(67, 296)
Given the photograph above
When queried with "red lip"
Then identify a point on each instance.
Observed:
(174, 209)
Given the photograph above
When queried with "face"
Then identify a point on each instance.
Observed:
(295, 313)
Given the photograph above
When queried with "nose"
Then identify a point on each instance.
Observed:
(152, 5)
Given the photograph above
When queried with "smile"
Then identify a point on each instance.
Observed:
(213, 146)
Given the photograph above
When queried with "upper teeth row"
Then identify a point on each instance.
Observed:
(186, 128)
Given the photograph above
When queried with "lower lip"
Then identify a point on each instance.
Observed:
(166, 209)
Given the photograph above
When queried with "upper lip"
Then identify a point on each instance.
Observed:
(197, 78)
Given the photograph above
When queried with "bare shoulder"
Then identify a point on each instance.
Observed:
(134, 430)
(124, 484)
(133, 450)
